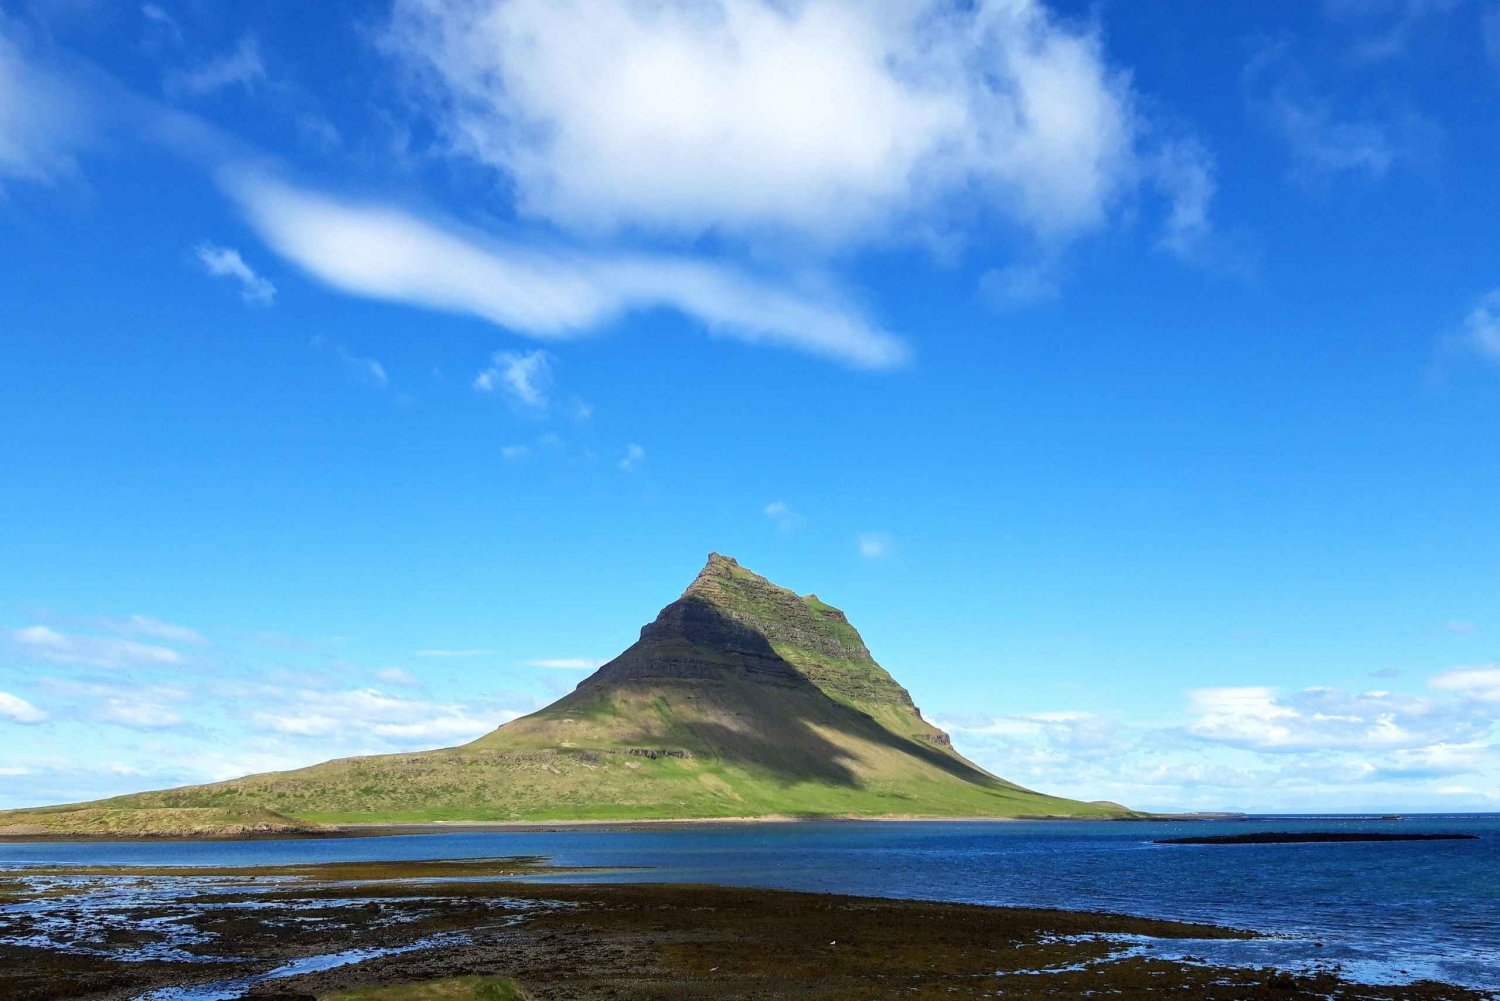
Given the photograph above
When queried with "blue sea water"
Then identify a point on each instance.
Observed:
(1384, 912)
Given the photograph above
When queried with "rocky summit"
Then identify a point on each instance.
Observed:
(741, 699)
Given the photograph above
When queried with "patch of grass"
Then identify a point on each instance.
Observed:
(448, 989)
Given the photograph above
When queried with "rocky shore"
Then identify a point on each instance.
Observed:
(311, 932)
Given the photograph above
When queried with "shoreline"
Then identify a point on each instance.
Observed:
(374, 829)
(612, 941)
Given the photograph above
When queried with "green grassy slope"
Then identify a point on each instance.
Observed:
(742, 699)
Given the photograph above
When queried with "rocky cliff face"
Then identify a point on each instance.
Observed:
(732, 619)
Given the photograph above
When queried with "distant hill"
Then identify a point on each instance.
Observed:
(742, 699)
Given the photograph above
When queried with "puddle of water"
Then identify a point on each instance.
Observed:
(235, 987)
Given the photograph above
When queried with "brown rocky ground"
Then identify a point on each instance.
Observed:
(575, 941)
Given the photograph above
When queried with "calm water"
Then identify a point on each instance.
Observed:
(1387, 912)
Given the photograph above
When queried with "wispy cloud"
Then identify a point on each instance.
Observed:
(1385, 29)
(44, 119)
(152, 628)
(525, 377)
(161, 22)
(240, 67)
(47, 644)
(139, 714)
(322, 713)
(1481, 328)
(1324, 138)
(385, 253)
(1186, 169)
(226, 262)
(566, 663)
(874, 545)
(465, 652)
(366, 370)
(18, 710)
(632, 458)
(785, 519)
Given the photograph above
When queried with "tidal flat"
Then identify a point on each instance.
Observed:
(500, 928)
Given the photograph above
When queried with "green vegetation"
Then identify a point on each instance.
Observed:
(448, 989)
(742, 699)
(187, 821)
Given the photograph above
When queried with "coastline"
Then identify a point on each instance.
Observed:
(394, 924)
(383, 829)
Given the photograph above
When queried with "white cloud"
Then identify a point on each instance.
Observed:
(1482, 683)
(514, 452)
(471, 652)
(368, 711)
(1481, 330)
(395, 676)
(226, 262)
(240, 67)
(828, 119)
(785, 518)
(1260, 749)
(18, 710)
(1265, 719)
(874, 545)
(526, 377)
(384, 253)
(632, 458)
(90, 651)
(566, 663)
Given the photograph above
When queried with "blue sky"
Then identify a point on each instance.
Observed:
(1130, 373)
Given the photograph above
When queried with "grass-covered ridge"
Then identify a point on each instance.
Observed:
(742, 699)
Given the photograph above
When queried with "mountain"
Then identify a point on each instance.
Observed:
(741, 699)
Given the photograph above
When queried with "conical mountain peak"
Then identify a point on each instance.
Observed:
(741, 698)
(801, 631)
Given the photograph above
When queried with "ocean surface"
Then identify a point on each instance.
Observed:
(1384, 912)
